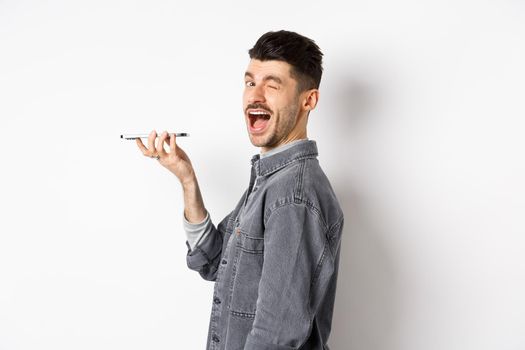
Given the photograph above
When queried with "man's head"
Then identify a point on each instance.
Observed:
(281, 87)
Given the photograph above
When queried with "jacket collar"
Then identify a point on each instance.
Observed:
(274, 162)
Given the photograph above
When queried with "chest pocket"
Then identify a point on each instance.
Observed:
(248, 269)
(249, 244)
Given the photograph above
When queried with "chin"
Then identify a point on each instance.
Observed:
(258, 141)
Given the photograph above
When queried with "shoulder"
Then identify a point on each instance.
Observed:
(304, 182)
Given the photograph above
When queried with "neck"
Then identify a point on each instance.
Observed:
(281, 148)
(290, 138)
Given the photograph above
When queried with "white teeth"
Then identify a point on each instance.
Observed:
(259, 113)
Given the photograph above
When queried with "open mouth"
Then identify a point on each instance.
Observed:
(258, 120)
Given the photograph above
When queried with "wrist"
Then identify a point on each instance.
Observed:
(189, 183)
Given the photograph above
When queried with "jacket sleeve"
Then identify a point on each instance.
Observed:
(204, 258)
(295, 255)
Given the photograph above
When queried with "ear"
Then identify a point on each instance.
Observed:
(310, 99)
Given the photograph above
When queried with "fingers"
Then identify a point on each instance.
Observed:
(160, 144)
(150, 150)
(142, 148)
(173, 144)
(151, 141)
(158, 150)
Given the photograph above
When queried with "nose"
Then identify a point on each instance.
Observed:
(256, 94)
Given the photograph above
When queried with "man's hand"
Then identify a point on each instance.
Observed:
(176, 160)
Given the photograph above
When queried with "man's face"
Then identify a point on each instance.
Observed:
(270, 103)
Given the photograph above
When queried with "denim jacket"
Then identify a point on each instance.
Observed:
(274, 258)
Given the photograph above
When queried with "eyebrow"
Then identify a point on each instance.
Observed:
(266, 78)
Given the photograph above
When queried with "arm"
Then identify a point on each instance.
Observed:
(206, 244)
(195, 232)
(204, 258)
(177, 162)
(194, 210)
(295, 255)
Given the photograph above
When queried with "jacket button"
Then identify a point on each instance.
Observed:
(217, 301)
(215, 338)
(224, 262)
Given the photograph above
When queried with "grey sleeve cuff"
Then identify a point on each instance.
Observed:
(196, 232)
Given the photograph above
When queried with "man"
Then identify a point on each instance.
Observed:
(274, 258)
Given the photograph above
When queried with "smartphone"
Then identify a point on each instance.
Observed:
(145, 136)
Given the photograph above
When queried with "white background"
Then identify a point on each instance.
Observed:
(419, 127)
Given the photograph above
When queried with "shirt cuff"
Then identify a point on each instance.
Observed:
(197, 232)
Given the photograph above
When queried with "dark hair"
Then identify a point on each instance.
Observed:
(301, 53)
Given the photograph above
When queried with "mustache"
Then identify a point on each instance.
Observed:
(258, 106)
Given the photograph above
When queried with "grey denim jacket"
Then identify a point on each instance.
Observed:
(274, 258)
